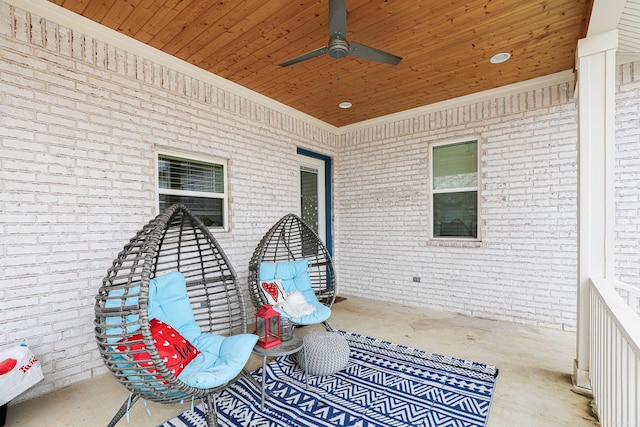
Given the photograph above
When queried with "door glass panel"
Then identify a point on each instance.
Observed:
(312, 194)
(309, 196)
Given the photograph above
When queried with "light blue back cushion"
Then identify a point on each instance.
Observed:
(130, 300)
(169, 303)
(293, 274)
(221, 358)
(295, 277)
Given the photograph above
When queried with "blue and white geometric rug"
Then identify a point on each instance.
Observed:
(383, 385)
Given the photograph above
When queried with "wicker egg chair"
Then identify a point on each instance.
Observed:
(174, 240)
(291, 239)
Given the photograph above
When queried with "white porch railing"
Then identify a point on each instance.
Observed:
(630, 294)
(614, 355)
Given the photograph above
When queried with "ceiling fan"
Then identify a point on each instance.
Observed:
(338, 46)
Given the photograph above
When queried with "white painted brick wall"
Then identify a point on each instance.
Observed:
(627, 173)
(525, 267)
(80, 123)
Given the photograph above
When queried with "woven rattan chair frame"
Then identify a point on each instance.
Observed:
(174, 240)
(291, 239)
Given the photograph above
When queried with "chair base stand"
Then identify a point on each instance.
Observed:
(123, 409)
(210, 400)
(212, 413)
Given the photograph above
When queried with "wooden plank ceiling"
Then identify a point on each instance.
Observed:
(445, 46)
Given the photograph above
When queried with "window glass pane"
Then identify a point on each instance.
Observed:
(209, 211)
(189, 175)
(455, 214)
(455, 165)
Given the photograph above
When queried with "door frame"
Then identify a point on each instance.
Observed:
(328, 239)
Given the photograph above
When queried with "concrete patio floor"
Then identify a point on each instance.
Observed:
(533, 386)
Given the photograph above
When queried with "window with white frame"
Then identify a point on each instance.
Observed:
(454, 189)
(199, 185)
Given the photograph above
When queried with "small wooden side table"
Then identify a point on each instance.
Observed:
(286, 347)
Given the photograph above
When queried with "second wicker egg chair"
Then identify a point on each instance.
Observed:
(291, 239)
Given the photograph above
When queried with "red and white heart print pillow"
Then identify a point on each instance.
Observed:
(273, 291)
(174, 350)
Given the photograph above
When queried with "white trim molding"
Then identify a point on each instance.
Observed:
(512, 89)
(73, 21)
(596, 205)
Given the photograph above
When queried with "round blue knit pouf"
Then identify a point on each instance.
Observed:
(327, 353)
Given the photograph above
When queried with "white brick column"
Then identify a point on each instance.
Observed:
(596, 210)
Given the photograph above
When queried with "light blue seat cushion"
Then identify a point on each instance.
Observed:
(295, 277)
(221, 358)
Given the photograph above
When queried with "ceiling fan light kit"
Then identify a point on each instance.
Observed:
(338, 46)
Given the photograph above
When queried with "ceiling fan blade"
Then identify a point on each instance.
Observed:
(338, 19)
(366, 52)
(305, 56)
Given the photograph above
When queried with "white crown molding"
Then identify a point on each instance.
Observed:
(52, 12)
(508, 90)
(59, 15)
(625, 58)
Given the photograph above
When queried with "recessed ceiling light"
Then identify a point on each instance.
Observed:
(499, 58)
(345, 104)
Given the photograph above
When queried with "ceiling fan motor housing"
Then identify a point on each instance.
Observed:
(338, 48)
